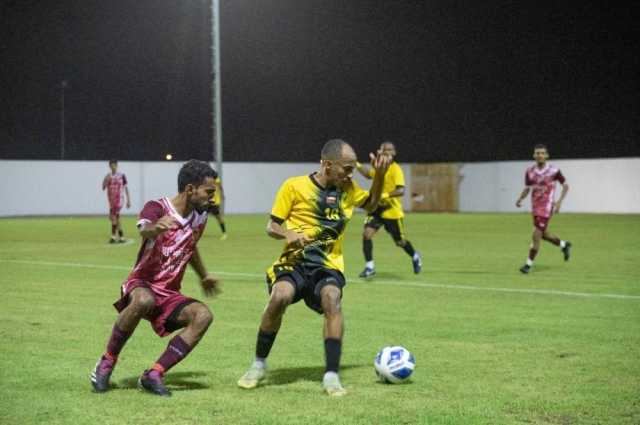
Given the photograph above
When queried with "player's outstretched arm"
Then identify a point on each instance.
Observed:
(558, 203)
(380, 163)
(294, 239)
(209, 282)
(523, 195)
(364, 170)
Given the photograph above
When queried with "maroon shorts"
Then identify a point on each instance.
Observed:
(164, 318)
(541, 223)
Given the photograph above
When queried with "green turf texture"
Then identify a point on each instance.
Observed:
(486, 353)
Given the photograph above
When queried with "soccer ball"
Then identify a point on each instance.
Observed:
(394, 364)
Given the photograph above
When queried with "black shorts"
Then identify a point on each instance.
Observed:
(307, 282)
(214, 209)
(394, 227)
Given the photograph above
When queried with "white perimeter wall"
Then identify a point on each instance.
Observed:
(74, 187)
(595, 186)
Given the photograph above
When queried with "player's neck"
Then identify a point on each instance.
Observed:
(320, 178)
(180, 204)
(541, 166)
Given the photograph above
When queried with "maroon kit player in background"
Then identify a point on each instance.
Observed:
(541, 179)
(115, 183)
(170, 229)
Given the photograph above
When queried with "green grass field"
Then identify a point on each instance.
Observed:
(558, 346)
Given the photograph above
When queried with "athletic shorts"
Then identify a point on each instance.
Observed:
(307, 282)
(541, 223)
(395, 227)
(164, 317)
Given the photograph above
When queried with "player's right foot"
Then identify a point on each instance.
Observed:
(101, 374)
(367, 273)
(525, 269)
(151, 381)
(417, 263)
(252, 377)
(223, 237)
(566, 250)
(332, 386)
(113, 240)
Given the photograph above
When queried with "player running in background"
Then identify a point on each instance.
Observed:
(541, 180)
(170, 229)
(115, 183)
(216, 208)
(389, 214)
(310, 214)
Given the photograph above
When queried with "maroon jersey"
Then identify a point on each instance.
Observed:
(162, 261)
(115, 183)
(543, 184)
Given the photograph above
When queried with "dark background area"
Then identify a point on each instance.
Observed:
(446, 80)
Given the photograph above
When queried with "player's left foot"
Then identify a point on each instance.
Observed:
(113, 240)
(252, 377)
(223, 237)
(566, 250)
(151, 381)
(525, 269)
(101, 374)
(332, 385)
(417, 263)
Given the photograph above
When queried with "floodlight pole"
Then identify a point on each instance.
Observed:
(215, 57)
(63, 86)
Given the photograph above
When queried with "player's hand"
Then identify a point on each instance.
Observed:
(211, 285)
(556, 207)
(297, 240)
(163, 224)
(380, 162)
(519, 203)
(128, 204)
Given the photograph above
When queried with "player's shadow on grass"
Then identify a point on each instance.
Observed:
(179, 381)
(289, 375)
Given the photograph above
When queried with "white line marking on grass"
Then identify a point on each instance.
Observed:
(415, 284)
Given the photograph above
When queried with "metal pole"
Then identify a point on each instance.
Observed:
(217, 113)
(63, 86)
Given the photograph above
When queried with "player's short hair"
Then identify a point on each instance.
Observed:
(541, 146)
(194, 172)
(113, 161)
(389, 142)
(332, 150)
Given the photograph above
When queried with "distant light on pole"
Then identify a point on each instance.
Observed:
(168, 157)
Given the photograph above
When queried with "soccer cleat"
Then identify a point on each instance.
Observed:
(151, 381)
(332, 385)
(525, 269)
(113, 240)
(252, 377)
(567, 250)
(367, 273)
(101, 374)
(417, 263)
(223, 237)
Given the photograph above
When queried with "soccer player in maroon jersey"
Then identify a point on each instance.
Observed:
(541, 180)
(170, 229)
(115, 183)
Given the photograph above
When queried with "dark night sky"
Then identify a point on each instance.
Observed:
(447, 80)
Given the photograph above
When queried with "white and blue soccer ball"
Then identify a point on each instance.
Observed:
(394, 364)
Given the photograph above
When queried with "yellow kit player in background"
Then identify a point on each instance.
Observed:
(216, 208)
(388, 214)
(311, 213)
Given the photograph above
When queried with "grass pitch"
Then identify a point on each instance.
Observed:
(558, 346)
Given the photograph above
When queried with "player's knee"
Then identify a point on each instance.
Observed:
(330, 298)
(280, 299)
(143, 303)
(203, 318)
(400, 242)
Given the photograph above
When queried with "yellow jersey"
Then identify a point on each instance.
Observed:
(320, 213)
(390, 208)
(217, 196)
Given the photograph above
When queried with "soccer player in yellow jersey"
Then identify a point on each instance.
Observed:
(216, 208)
(389, 214)
(310, 214)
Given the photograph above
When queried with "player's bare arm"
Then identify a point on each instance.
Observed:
(151, 230)
(523, 195)
(209, 282)
(126, 191)
(363, 170)
(295, 239)
(104, 182)
(558, 203)
(380, 163)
